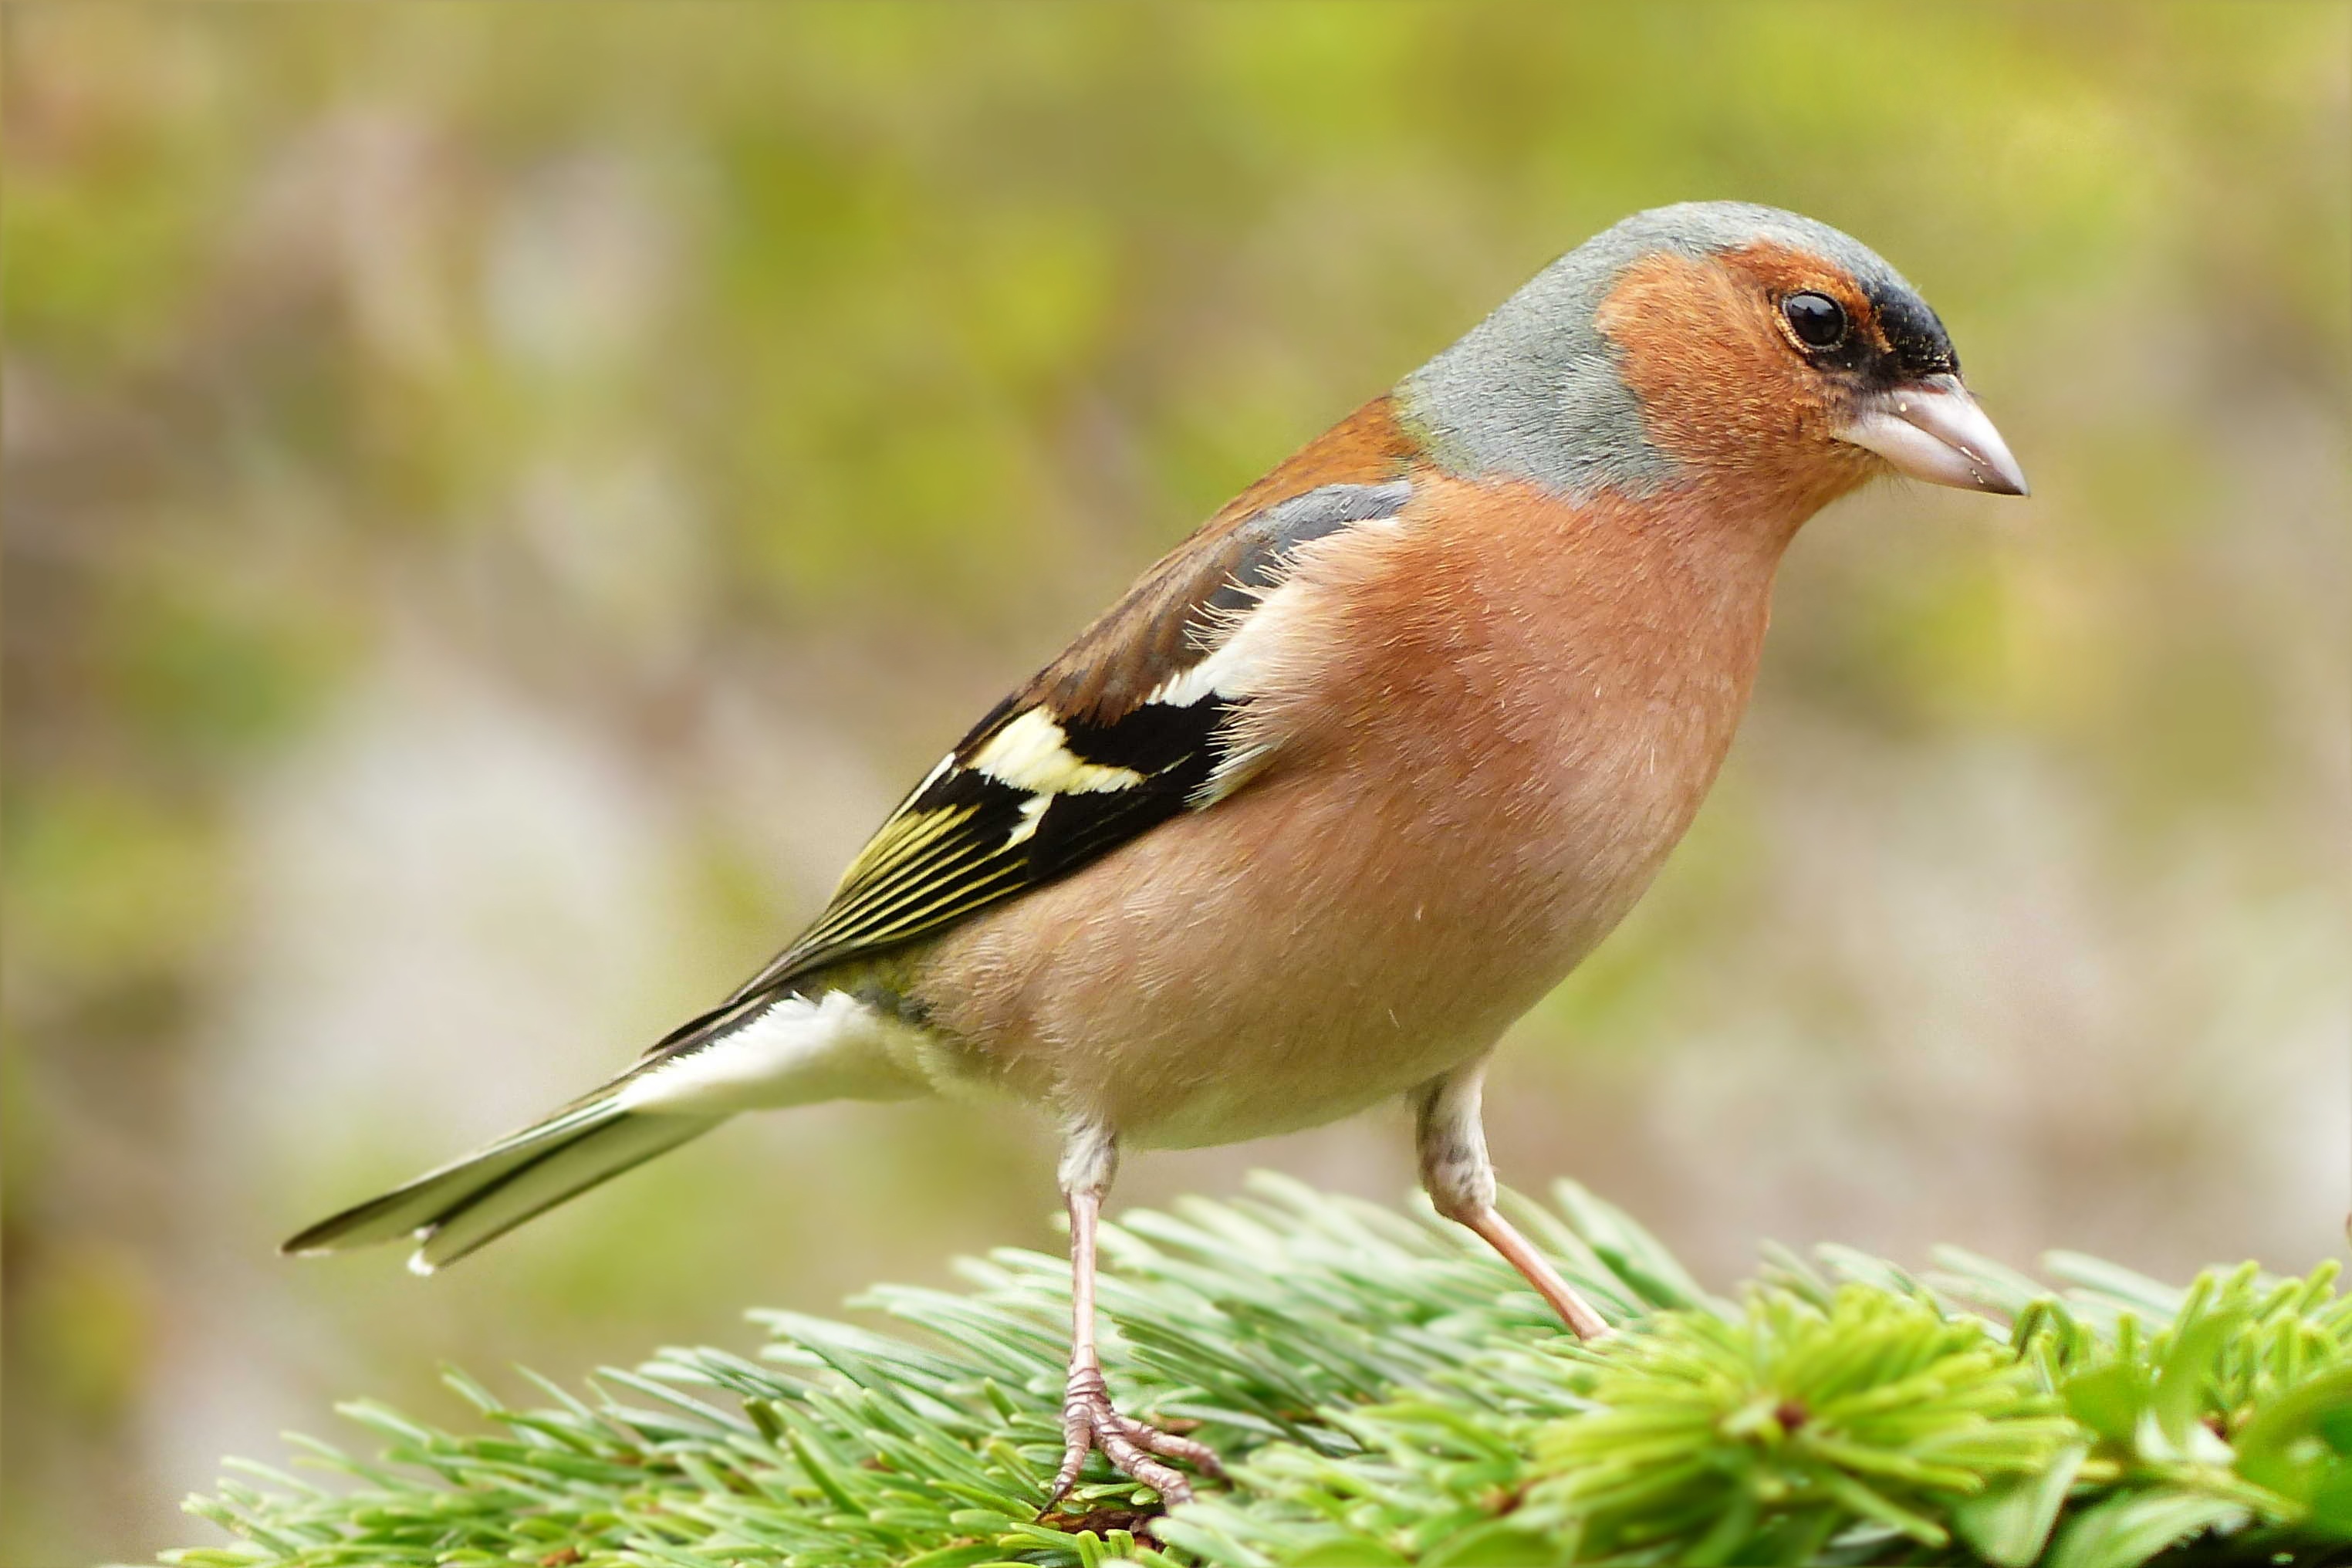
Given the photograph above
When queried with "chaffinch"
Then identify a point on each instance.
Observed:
(1344, 782)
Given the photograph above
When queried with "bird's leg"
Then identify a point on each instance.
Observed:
(1460, 1180)
(1089, 1421)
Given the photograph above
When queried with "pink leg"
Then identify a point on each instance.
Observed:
(1460, 1183)
(1088, 1419)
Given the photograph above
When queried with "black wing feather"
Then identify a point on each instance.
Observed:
(965, 839)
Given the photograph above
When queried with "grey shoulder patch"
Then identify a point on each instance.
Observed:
(1268, 537)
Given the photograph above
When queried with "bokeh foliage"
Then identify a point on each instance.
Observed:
(499, 498)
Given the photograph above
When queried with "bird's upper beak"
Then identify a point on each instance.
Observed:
(1934, 430)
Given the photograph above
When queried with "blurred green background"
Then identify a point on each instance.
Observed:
(499, 499)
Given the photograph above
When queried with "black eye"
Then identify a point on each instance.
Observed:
(1817, 320)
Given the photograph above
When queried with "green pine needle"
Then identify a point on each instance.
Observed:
(1387, 1393)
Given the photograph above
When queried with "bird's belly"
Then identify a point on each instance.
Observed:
(1271, 965)
(1309, 1089)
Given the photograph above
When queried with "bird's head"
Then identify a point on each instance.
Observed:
(1711, 342)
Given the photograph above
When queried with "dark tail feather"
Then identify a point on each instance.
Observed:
(473, 1202)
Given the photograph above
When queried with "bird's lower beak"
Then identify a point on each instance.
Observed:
(1934, 430)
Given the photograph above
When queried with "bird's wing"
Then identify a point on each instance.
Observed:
(1129, 727)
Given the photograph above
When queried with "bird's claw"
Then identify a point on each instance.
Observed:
(1089, 1422)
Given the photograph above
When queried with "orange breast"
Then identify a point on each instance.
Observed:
(1489, 725)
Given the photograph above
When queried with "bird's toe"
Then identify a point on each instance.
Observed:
(1135, 1448)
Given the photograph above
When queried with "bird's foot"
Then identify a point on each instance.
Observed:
(1088, 1422)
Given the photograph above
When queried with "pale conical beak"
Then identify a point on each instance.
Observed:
(1933, 430)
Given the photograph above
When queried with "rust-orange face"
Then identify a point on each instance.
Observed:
(1780, 361)
(1719, 342)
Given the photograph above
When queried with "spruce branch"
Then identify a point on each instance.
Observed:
(1389, 1392)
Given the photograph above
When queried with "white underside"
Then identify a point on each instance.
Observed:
(798, 1052)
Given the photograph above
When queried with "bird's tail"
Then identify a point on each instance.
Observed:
(756, 1049)
(474, 1200)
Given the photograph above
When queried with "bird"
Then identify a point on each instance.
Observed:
(1344, 782)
